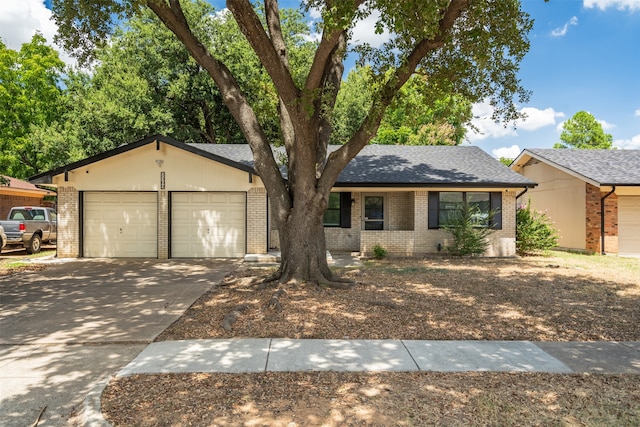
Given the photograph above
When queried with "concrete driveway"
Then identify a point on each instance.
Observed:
(65, 328)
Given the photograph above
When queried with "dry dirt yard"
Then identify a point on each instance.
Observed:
(563, 297)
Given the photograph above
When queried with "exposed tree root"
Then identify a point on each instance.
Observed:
(232, 316)
(342, 285)
(387, 304)
(275, 300)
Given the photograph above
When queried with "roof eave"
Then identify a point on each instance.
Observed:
(47, 177)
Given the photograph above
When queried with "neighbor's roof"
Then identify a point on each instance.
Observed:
(375, 165)
(18, 184)
(600, 167)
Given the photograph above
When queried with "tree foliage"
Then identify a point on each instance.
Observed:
(534, 231)
(584, 132)
(468, 50)
(410, 119)
(32, 134)
(469, 230)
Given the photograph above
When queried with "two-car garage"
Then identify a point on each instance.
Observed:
(126, 224)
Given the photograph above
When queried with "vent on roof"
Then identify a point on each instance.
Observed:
(532, 162)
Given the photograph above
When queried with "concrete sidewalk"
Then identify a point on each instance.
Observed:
(280, 355)
(285, 355)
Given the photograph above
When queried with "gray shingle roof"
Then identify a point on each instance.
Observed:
(606, 167)
(392, 165)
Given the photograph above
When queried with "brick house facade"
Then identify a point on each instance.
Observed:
(226, 205)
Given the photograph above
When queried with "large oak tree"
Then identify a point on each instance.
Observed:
(470, 48)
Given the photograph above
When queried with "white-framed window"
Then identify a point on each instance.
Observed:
(373, 212)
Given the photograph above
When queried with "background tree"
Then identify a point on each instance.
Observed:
(466, 48)
(411, 119)
(584, 132)
(32, 129)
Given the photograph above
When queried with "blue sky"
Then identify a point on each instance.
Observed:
(584, 55)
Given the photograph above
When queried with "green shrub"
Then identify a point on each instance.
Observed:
(534, 231)
(379, 252)
(469, 237)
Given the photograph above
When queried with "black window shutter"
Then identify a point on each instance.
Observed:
(496, 207)
(345, 209)
(433, 209)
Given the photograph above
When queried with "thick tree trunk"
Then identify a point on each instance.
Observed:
(303, 247)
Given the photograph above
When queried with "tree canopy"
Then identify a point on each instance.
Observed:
(467, 50)
(31, 107)
(584, 132)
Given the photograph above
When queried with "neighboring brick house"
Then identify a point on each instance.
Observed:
(16, 192)
(592, 196)
(161, 198)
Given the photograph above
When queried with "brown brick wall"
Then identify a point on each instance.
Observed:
(593, 220)
(7, 202)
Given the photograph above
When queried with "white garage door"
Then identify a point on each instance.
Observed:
(120, 225)
(629, 225)
(208, 225)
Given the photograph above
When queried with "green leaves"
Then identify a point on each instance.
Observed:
(31, 103)
(534, 231)
(583, 131)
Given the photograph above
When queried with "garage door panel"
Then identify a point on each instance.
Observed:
(120, 225)
(629, 225)
(207, 225)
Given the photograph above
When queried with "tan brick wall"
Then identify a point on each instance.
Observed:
(396, 243)
(257, 221)
(163, 224)
(593, 220)
(346, 239)
(418, 239)
(68, 243)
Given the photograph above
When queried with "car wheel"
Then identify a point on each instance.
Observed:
(34, 244)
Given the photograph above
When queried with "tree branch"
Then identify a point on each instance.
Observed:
(171, 14)
(339, 158)
(265, 48)
(324, 52)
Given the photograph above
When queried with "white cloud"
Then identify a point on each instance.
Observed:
(637, 112)
(488, 128)
(561, 31)
(19, 21)
(606, 125)
(507, 152)
(631, 5)
(537, 118)
(365, 32)
(633, 143)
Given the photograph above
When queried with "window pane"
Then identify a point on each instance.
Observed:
(332, 214)
(334, 201)
(480, 205)
(332, 218)
(374, 225)
(374, 207)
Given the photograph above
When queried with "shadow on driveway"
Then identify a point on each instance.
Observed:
(64, 328)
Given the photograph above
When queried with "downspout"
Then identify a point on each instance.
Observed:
(522, 194)
(602, 230)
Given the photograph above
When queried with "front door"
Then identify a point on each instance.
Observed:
(373, 215)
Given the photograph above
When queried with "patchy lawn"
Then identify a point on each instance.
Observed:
(565, 297)
(15, 261)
